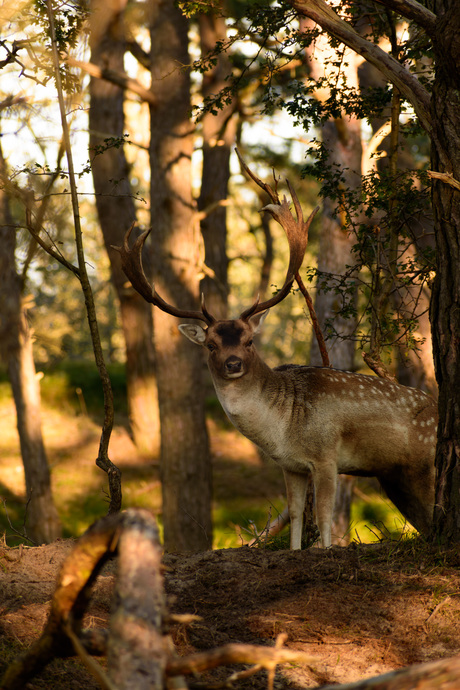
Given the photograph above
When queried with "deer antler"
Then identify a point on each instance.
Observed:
(296, 230)
(131, 262)
(297, 234)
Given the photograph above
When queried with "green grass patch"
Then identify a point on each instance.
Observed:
(77, 386)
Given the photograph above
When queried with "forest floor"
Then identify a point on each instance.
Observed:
(357, 611)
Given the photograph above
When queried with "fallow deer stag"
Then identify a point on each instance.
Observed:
(307, 418)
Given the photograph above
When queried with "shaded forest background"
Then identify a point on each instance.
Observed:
(156, 97)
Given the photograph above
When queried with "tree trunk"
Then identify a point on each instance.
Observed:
(116, 212)
(342, 139)
(137, 652)
(445, 302)
(185, 460)
(218, 131)
(16, 349)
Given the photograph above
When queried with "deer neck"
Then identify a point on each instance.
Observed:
(247, 401)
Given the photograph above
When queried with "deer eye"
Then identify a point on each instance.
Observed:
(249, 343)
(211, 347)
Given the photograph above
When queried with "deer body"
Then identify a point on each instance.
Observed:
(325, 421)
(308, 418)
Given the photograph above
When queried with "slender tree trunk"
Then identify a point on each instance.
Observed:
(116, 212)
(43, 523)
(185, 460)
(342, 139)
(219, 132)
(445, 303)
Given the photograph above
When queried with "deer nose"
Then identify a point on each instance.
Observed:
(233, 365)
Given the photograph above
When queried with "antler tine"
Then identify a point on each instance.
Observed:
(297, 235)
(273, 194)
(296, 232)
(131, 262)
(209, 317)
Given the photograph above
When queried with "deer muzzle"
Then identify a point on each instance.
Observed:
(233, 367)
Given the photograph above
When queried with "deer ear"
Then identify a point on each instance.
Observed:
(193, 332)
(257, 320)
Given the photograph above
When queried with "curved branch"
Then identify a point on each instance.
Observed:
(124, 81)
(409, 86)
(411, 9)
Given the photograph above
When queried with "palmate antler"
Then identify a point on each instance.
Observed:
(296, 232)
(131, 262)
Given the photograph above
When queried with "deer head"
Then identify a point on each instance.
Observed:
(229, 342)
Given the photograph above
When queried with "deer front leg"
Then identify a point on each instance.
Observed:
(325, 481)
(296, 489)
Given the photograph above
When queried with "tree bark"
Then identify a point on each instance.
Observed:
(136, 649)
(445, 302)
(218, 129)
(17, 352)
(116, 212)
(434, 675)
(342, 138)
(185, 460)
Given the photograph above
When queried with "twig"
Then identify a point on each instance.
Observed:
(436, 609)
(17, 532)
(121, 79)
(448, 178)
(93, 667)
(235, 653)
(315, 322)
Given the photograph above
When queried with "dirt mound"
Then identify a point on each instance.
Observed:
(360, 611)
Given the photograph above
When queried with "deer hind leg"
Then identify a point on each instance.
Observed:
(414, 498)
(325, 481)
(296, 490)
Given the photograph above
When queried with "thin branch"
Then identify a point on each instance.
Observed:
(121, 79)
(102, 460)
(139, 53)
(444, 177)
(48, 246)
(411, 9)
(314, 319)
(234, 653)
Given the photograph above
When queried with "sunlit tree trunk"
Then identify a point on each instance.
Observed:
(342, 139)
(116, 212)
(42, 521)
(185, 460)
(414, 367)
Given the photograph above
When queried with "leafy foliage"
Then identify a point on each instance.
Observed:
(69, 20)
(388, 213)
